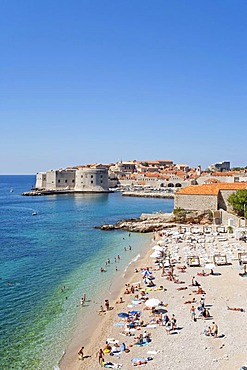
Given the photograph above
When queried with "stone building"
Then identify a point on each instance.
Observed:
(92, 180)
(83, 179)
(207, 196)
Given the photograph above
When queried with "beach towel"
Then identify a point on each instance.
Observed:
(111, 365)
(141, 344)
(141, 361)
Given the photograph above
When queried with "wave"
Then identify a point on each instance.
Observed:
(133, 260)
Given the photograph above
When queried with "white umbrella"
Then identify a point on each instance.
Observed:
(152, 302)
(162, 242)
(210, 266)
(155, 254)
(158, 248)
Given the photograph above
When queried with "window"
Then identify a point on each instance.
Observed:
(91, 181)
(101, 182)
(58, 181)
(65, 181)
(73, 180)
(101, 176)
(91, 176)
(81, 176)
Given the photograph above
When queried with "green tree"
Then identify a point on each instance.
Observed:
(238, 202)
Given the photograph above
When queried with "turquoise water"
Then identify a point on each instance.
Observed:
(42, 254)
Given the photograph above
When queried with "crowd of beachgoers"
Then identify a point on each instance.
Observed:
(185, 304)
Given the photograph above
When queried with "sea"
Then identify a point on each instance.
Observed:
(50, 259)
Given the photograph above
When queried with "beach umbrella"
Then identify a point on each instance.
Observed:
(123, 314)
(146, 273)
(155, 254)
(158, 248)
(152, 302)
(135, 312)
(162, 242)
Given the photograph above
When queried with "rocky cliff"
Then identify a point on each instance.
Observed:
(159, 221)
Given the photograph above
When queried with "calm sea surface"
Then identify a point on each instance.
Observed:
(39, 255)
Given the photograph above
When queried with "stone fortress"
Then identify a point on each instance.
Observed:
(80, 179)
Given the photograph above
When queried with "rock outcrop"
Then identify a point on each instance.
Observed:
(159, 221)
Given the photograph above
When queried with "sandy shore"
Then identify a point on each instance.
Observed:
(186, 347)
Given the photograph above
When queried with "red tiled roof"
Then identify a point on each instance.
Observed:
(211, 189)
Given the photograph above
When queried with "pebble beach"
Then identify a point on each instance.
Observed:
(186, 346)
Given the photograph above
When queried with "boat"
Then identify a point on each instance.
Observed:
(11, 190)
(34, 213)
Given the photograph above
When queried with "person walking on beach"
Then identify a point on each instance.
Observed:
(107, 305)
(100, 355)
(81, 354)
(193, 313)
(173, 322)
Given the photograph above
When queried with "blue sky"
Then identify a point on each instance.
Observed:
(99, 81)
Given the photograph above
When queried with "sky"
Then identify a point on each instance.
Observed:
(97, 81)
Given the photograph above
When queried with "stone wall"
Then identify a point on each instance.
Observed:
(51, 180)
(65, 179)
(40, 180)
(222, 199)
(228, 219)
(196, 202)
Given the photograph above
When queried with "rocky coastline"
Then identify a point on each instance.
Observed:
(155, 222)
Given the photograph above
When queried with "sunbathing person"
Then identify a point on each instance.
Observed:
(235, 309)
(182, 288)
(208, 331)
(120, 301)
(190, 301)
(199, 291)
(177, 281)
(107, 348)
(203, 273)
(181, 268)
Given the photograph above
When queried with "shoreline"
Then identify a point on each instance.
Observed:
(97, 325)
(222, 289)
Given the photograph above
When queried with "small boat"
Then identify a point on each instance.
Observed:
(34, 213)
(11, 190)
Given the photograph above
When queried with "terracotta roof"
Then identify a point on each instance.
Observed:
(211, 189)
(211, 181)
